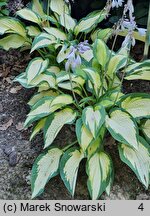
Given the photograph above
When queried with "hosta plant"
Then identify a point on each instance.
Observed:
(90, 97)
(79, 82)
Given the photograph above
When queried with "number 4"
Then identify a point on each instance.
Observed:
(141, 207)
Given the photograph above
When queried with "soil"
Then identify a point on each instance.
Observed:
(17, 153)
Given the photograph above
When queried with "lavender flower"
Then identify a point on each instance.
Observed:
(117, 3)
(142, 31)
(83, 47)
(128, 39)
(130, 25)
(74, 59)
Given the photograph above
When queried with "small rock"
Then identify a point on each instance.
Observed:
(14, 90)
(13, 159)
(20, 126)
(6, 125)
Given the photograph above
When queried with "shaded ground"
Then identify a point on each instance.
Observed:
(17, 154)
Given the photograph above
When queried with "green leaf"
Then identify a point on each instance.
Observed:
(35, 68)
(93, 118)
(40, 95)
(11, 25)
(21, 78)
(101, 52)
(13, 41)
(45, 167)
(55, 122)
(94, 77)
(116, 63)
(63, 53)
(138, 71)
(37, 7)
(46, 106)
(39, 126)
(44, 78)
(33, 31)
(69, 166)
(137, 104)
(122, 127)
(93, 147)
(59, 6)
(89, 22)
(102, 34)
(59, 34)
(145, 127)
(84, 136)
(138, 160)
(67, 21)
(43, 40)
(54, 69)
(29, 15)
(99, 169)
(87, 55)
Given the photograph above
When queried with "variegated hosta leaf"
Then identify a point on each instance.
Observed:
(43, 40)
(68, 86)
(40, 95)
(64, 76)
(145, 127)
(137, 104)
(44, 86)
(116, 62)
(63, 99)
(46, 106)
(109, 99)
(10, 25)
(35, 68)
(44, 81)
(138, 71)
(93, 118)
(33, 31)
(111, 180)
(37, 7)
(13, 41)
(84, 136)
(63, 53)
(102, 34)
(59, 6)
(67, 21)
(21, 78)
(94, 77)
(89, 22)
(96, 143)
(99, 169)
(55, 122)
(122, 127)
(69, 166)
(45, 167)
(29, 15)
(44, 78)
(139, 75)
(63, 81)
(138, 160)
(93, 147)
(37, 128)
(59, 34)
(87, 55)
(101, 52)
(53, 69)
